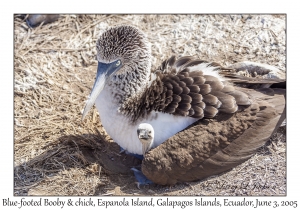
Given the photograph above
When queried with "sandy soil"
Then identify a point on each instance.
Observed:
(54, 64)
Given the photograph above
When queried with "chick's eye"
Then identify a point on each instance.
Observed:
(118, 63)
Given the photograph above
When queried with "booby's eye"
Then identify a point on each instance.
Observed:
(118, 63)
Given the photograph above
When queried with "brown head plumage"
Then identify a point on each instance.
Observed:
(126, 43)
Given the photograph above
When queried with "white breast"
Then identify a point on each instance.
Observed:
(125, 134)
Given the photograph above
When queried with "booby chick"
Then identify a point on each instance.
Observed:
(145, 134)
(128, 91)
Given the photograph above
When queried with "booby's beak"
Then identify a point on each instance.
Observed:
(104, 71)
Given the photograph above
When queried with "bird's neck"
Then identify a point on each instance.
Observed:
(131, 84)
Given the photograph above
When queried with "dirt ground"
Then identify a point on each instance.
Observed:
(55, 153)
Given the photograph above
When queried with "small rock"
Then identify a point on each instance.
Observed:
(36, 20)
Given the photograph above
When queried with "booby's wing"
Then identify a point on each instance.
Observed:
(212, 146)
(186, 87)
(254, 82)
(254, 75)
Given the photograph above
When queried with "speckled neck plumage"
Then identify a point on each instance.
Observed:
(128, 86)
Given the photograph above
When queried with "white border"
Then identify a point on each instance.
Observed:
(154, 6)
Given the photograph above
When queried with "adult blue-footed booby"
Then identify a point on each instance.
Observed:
(173, 98)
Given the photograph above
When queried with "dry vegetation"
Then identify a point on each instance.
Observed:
(54, 64)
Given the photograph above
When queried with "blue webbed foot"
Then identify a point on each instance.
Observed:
(141, 178)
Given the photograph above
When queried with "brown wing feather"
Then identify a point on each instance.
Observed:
(253, 82)
(212, 146)
(178, 90)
